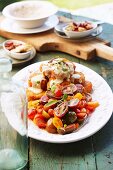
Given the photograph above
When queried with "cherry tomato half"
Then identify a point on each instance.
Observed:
(38, 116)
(39, 121)
(81, 115)
(58, 93)
(39, 111)
(93, 104)
(81, 104)
(45, 114)
(32, 113)
(79, 88)
(73, 102)
(44, 99)
(51, 112)
(69, 89)
(57, 122)
(61, 109)
(87, 87)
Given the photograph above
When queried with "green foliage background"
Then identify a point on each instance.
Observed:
(3, 3)
(69, 4)
(75, 4)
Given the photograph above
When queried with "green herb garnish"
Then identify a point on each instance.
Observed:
(64, 96)
(53, 88)
(51, 103)
(38, 82)
(65, 125)
(64, 69)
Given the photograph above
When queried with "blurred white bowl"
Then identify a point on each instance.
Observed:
(30, 14)
(15, 55)
(78, 34)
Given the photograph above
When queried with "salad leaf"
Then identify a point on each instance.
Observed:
(53, 88)
(64, 96)
(51, 103)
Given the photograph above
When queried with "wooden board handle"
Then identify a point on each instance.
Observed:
(104, 51)
(69, 48)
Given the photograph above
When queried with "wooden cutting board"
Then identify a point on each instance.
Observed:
(49, 41)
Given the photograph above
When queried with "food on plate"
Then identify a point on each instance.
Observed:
(79, 27)
(17, 47)
(59, 97)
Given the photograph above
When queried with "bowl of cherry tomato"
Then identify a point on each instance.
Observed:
(79, 29)
(17, 49)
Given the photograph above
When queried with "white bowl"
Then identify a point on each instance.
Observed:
(77, 34)
(19, 56)
(30, 14)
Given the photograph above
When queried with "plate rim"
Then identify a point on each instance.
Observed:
(31, 31)
(72, 140)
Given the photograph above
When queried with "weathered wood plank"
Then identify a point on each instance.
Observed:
(103, 140)
(71, 156)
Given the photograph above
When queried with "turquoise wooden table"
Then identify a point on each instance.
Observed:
(93, 153)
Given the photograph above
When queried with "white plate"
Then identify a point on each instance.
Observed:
(18, 62)
(13, 27)
(101, 93)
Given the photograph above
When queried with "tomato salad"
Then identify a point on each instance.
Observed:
(79, 27)
(59, 97)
